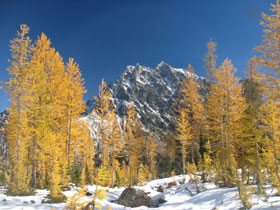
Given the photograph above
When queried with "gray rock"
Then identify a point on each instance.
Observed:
(131, 197)
(159, 199)
(88, 194)
(161, 189)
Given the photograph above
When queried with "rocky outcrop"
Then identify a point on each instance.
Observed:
(132, 197)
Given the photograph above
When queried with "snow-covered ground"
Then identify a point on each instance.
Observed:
(181, 196)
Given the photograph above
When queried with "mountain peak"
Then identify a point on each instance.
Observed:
(152, 91)
(161, 63)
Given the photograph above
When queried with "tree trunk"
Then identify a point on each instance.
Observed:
(184, 158)
(69, 140)
(257, 165)
(275, 157)
(113, 168)
(18, 129)
(34, 162)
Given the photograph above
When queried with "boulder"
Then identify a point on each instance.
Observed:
(132, 197)
(88, 194)
(161, 189)
(159, 199)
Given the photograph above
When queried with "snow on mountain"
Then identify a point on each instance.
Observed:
(152, 92)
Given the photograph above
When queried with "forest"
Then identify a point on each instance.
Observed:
(230, 135)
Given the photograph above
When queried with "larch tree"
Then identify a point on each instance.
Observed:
(57, 94)
(86, 147)
(45, 111)
(210, 59)
(272, 122)
(151, 147)
(114, 143)
(269, 57)
(251, 141)
(17, 120)
(36, 106)
(43, 123)
(210, 66)
(73, 107)
(190, 100)
(133, 140)
(184, 135)
(225, 108)
(206, 164)
(143, 173)
(75, 104)
(103, 111)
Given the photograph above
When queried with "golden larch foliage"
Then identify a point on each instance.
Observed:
(133, 140)
(184, 135)
(16, 132)
(225, 107)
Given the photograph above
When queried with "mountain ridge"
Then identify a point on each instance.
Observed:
(152, 91)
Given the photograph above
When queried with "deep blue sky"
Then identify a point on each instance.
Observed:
(104, 36)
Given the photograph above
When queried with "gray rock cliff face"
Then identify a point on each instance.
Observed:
(152, 92)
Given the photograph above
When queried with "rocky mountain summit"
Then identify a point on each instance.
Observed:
(152, 92)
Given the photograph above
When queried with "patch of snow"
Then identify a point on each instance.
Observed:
(182, 71)
(181, 196)
(128, 84)
(168, 85)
